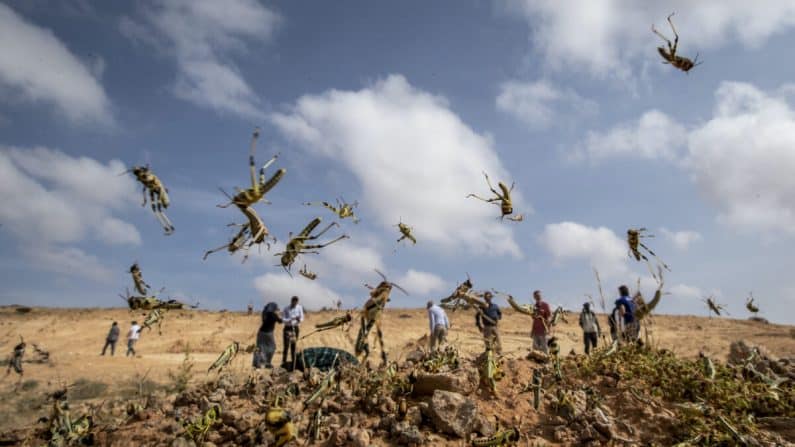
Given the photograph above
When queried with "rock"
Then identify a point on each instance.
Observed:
(407, 434)
(182, 442)
(358, 437)
(415, 356)
(218, 396)
(247, 421)
(414, 415)
(484, 426)
(452, 413)
(426, 384)
(225, 383)
(230, 417)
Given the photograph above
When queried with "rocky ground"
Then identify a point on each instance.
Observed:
(630, 395)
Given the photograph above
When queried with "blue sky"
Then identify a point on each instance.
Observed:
(400, 106)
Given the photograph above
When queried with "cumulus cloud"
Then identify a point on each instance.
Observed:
(50, 199)
(743, 158)
(686, 291)
(600, 246)
(280, 287)
(414, 159)
(203, 35)
(653, 136)
(541, 104)
(681, 239)
(35, 66)
(421, 283)
(604, 37)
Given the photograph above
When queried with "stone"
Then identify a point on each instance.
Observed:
(358, 437)
(427, 384)
(414, 415)
(182, 442)
(452, 413)
(407, 434)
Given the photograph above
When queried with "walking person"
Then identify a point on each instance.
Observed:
(439, 324)
(541, 323)
(266, 342)
(292, 317)
(111, 339)
(486, 320)
(132, 338)
(590, 327)
(626, 310)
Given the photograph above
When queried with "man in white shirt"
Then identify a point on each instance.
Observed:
(132, 337)
(438, 323)
(292, 316)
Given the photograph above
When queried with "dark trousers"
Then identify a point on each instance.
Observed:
(590, 341)
(266, 347)
(131, 347)
(289, 338)
(112, 344)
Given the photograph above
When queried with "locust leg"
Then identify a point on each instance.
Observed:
(655, 257)
(143, 190)
(381, 341)
(676, 35)
(310, 247)
(310, 238)
(494, 201)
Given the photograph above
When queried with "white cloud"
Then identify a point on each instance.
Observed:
(541, 104)
(280, 287)
(203, 35)
(604, 37)
(744, 157)
(37, 67)
(414, 158)
(421, 283)
(50, 199)
(653, 136)
(348, 261)
(681, 239)
(686, 291)
(600, 246)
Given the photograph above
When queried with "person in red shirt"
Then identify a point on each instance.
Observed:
(541, 315)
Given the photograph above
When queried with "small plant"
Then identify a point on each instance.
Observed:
(181, 377)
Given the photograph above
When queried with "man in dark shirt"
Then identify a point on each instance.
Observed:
(486, 320)
(266, 342)
(111, 339)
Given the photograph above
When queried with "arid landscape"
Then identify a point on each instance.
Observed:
(74, 338)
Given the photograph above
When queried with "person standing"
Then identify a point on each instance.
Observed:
(132, 338)
(626, 310)
(292, 317)
(266, 342)
(438, 324)
(541, 323)
(590, 327)
(111, 339)
(486, 320)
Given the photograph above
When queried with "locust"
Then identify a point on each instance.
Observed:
(490, 371)
(238, 242)
(156, 316)
(331, 324)
(307, 274)
(328, 381)
(405, 232)
(503, 200)
(258, 232)
(140, 285)
(158, 194)
(669, 55)
(709, 367)
(316, 425)
(65, 431)
(259, 187)
(714, 306)
(521, 308)
(645, 309)
(505, 437)
(749, 304)
(280, 423)
(456, 299)
(536, 388)
(226, 357)
(634, 236)
(342, 210)
(198, 429)
(298, 244)
(371, 314)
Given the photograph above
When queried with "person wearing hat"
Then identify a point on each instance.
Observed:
(486, 320)
(439, 324)
(590, 327)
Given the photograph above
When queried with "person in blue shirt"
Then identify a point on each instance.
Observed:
(486, 320)
(626, 310)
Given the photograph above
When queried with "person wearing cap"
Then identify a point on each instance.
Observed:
(541, 323)
(486, 320)
(266, 342)
(292, 316)
(438, 324)
(590, 327)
